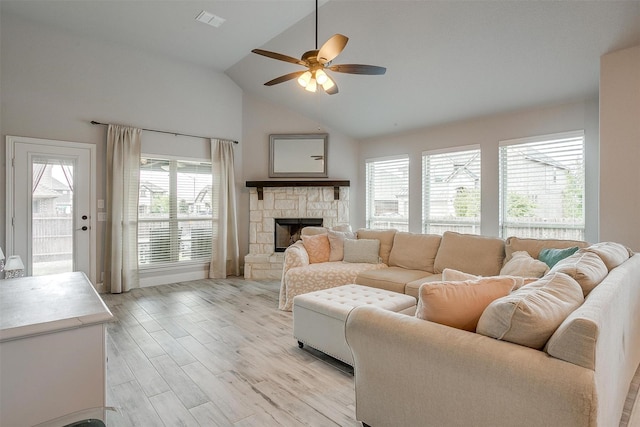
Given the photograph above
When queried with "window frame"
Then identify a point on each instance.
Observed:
(425, 224)
(403, 221)
(503, 225)
(174, 219)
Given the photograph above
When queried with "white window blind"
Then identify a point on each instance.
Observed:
(388, 193)
(451, 191)
(542, 186)
(174, 211)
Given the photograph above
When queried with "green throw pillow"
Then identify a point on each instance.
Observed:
(552, 256)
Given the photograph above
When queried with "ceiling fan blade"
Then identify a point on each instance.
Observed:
(279, 56)
(358, 69)
(332, 48)
(285, 78)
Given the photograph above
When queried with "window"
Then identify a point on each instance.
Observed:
(388, 193)
(451, 191)
(542, 186)
(174, 211)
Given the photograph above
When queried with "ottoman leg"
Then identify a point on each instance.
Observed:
(300, 344)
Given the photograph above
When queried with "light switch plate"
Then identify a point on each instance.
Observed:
(100, 203)
(102, 216)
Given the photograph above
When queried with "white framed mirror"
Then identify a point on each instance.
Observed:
(298, 155)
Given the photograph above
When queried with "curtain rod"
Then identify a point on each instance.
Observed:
(93, 122)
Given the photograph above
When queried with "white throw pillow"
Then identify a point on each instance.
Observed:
(336, 241)
(531, 314)
(585, 267)
(362, 250)
(524, 265)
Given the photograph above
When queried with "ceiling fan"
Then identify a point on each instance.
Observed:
(317, 62)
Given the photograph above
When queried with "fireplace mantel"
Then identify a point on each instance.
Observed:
(259, 185)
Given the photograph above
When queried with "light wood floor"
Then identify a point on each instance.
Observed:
(220, 353)
(217, 354)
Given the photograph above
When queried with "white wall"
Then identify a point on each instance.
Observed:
(620, 147)
(262, 118)
(487, 132)
(54, 83)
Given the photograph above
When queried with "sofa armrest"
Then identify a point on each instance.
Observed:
(413, 372)
(295, 256)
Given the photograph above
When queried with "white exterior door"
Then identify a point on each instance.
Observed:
(50, 216)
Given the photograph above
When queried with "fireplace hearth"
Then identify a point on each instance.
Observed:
(287, 230)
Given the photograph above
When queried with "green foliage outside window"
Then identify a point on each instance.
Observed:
(467, 202)
(520, 206)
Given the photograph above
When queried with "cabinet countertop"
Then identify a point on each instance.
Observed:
(44, 304)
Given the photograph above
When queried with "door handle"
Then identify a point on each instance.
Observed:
(84, 217)
(84, 228)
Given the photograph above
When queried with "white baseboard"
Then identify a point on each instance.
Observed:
(168, 278)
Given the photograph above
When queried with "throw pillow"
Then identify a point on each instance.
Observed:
(612, 254)
(460, 304)
(531, 314)
(384, 236)
(551, 256)
(449, 275)
(524, 265)
(585, 267)
(317, 247)
(362, 250)
(336, 242)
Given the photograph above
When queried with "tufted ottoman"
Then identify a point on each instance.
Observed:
(319, 317)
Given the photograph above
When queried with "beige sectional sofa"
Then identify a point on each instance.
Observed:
(406, 261)
(445, 376)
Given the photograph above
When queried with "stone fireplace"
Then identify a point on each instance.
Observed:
(287, 230)
(303, 202)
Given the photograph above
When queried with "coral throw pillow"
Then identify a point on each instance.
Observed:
(317, 247)
(460, 304)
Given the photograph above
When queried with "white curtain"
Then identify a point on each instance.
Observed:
(225, 250)
(123, 177)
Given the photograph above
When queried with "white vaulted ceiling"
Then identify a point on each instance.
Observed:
(446, 60)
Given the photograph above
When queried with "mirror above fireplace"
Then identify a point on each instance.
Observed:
(298, 155)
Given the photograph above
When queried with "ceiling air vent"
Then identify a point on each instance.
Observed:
(210, 19)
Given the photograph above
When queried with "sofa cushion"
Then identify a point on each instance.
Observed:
(336, 242)
(586, 268)
(460, 304)
(531, 314)
(470, 253)
(362, 250)
(533, 246)
(414, 251)
(392, 278)
(413, 288)
(317, 247)
(385, 237)
(523, 265)
(612, 254)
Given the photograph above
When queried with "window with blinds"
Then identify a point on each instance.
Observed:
(174, 211)
(451, 191)
(542, 186)
(387, 196)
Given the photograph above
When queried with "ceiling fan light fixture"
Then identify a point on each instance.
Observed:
(312, 86)
(328, 84)
(304, 79)
(321, 77)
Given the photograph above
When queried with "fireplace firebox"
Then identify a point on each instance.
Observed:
(287, 230)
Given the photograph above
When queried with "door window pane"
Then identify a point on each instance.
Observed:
(52, 217)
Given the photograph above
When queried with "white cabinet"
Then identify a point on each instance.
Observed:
(52, 351)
